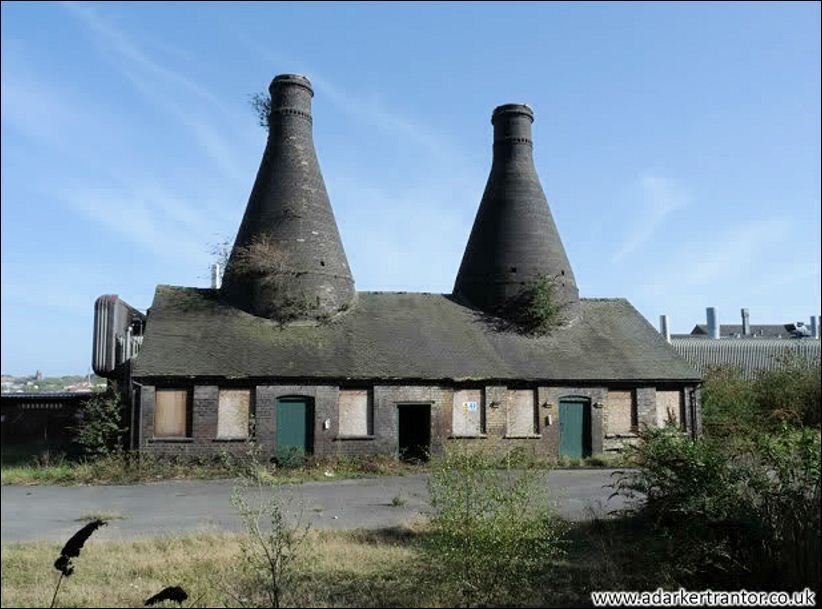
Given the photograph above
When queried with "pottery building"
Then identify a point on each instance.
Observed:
(287, 352)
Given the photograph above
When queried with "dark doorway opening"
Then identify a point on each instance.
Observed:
(414, 432)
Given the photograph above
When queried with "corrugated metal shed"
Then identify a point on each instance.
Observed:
(747, 354)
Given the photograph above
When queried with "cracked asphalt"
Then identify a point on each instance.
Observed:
(53, 513)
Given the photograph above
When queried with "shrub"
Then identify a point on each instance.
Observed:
(261, 105)
(784, 507)
(490, 534)
(272, 547)
(791, 392)
(729, 406)
(678, 478)
(536, 310)
(736, 408)
(754, 515)
(102, 426)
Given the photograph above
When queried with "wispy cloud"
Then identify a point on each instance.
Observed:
(369, 110)
(165, 88)
(150, 218)
(734, 252)
(659, 198)
(719, 261)
(372, 112)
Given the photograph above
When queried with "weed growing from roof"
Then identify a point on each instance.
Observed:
(261, 104)
(263, 256)
(536, 310)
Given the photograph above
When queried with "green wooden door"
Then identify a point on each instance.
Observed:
(294, 428)
(575, 428)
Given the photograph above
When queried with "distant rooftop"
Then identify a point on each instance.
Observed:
(748, 355)
(735, 331)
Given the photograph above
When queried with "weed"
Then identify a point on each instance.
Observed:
(106, 516)
(491, 531)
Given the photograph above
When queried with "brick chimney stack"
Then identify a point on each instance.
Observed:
(514, 238)
(288, 260)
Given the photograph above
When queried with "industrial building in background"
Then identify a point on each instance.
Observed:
(749, 347)
(287, 351)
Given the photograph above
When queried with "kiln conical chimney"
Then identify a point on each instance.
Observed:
(288, 260)
(514, 238)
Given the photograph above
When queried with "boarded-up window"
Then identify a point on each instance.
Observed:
(232, 413)
(621, 412)
(355, 412)
(521, 413)
(668, 408)
(170, 413)
(467, 413)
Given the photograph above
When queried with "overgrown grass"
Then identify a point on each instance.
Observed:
(23, 468)
(346, 569)
(342, 569)
(132, 469)
(107, 516)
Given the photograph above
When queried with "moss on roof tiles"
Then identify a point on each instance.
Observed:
(395, 336)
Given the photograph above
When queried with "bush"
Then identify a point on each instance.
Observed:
(753, 515)
(792, 392)
(729, 406)
(102, 426)
(536, 310)
(272, 547)
(735, 408)
(678, 478)
(490, 533)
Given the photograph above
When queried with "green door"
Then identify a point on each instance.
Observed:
(295, 429)
(575, 427)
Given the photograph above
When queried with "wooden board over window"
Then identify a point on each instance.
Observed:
(466, 418)
(621, 412)
(668, 408)
(170, 413)
(355, 412)
(521, 413)
(232, 414)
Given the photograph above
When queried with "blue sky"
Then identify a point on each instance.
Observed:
(678, 146)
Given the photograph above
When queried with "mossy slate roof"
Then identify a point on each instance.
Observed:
(399, 336)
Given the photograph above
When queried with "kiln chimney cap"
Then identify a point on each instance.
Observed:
(291, 79)
(523, 109)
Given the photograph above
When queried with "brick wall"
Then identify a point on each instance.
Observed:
(496, 401)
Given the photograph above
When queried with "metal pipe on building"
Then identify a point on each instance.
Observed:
(216, 276)
(664, 328)
(712, 319)
(746, 323)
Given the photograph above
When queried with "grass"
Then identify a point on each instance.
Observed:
(107, 516)
(22, 467)
(340, 569)
(346, 569)
(130, 470)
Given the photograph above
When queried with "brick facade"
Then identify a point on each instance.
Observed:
(497, 402)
